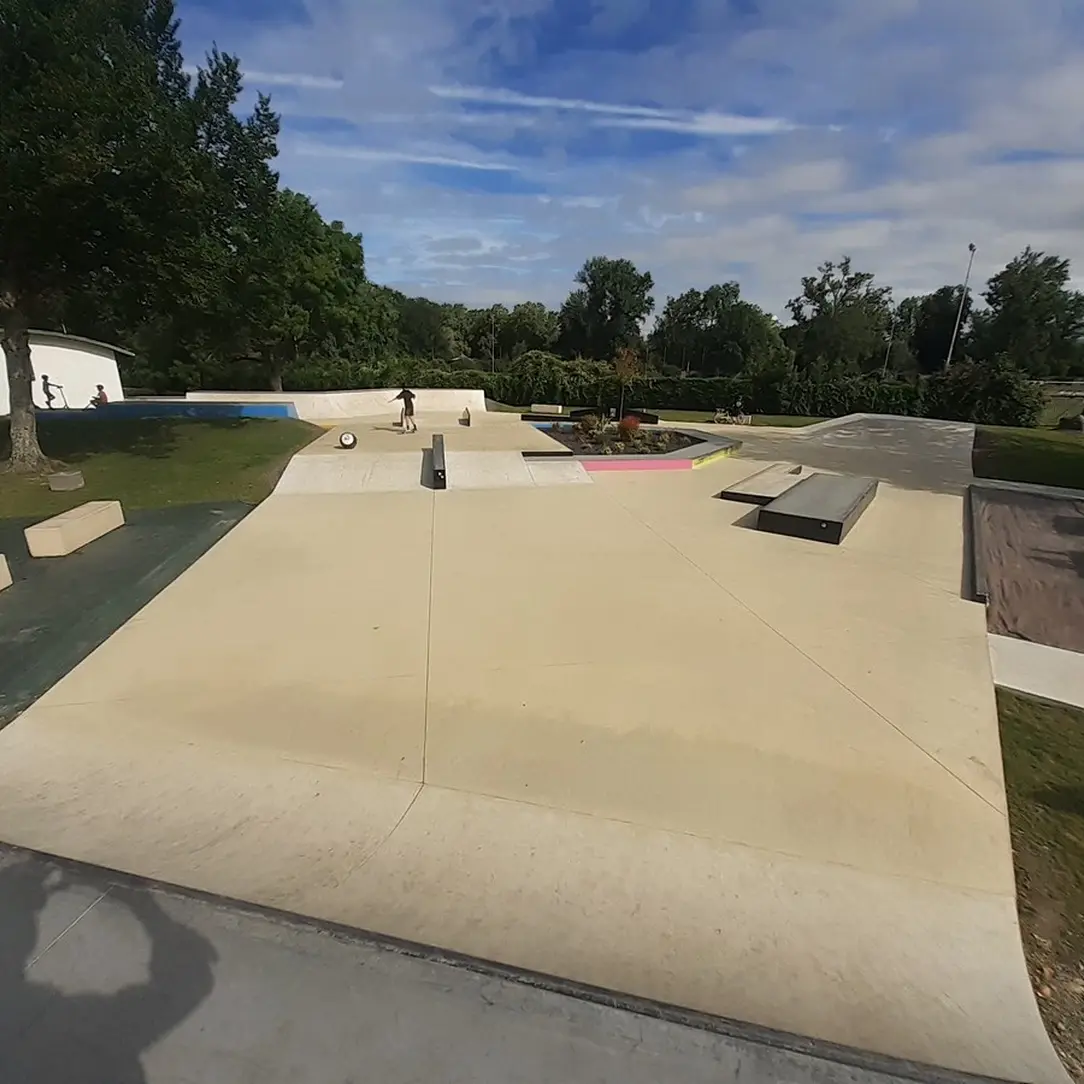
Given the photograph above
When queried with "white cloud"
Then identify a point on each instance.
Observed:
(892, 129)
(616, 115)
(369, 154)
(293, 79)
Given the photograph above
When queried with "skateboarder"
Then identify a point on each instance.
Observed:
(406, 417)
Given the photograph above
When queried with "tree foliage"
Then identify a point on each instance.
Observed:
(138, 205)
(1033, 318)
(841, 319)
(715, 332)
(608, 310)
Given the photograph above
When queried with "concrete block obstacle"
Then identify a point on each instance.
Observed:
(66, 481)
(765, 485)
(440, 466)
(546, 408)
(821, 508)
(72, 530)
(5, 573)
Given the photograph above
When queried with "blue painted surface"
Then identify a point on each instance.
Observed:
(182, 408)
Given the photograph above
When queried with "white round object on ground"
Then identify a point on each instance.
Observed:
(347, 440)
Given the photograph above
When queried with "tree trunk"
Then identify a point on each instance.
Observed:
(277, 368)
(26, 453)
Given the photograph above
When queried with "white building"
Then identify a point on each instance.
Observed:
(78, 365)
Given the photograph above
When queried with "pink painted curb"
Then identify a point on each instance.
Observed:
(635, 464)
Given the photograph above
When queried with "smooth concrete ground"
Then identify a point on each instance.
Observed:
(907, 452)
(602, 731)
(107, 982)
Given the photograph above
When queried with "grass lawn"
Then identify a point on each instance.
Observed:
(154, 462)
(1043, 456)
(1043, 749)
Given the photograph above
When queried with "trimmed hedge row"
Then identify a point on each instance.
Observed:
(992, 393)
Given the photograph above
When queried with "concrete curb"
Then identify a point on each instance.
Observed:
(1049, 673)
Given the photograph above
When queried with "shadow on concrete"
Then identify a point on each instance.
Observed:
(48, 1035)
(425, 477)
(59, 610)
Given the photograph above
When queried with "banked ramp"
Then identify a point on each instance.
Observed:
(374, 402)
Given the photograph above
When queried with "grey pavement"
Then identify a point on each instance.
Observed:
(911, 453)
(105, 980)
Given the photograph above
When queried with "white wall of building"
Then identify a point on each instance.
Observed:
(76, 365)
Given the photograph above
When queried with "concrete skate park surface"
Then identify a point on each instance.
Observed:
(129, 982)
(484, 455)
(596, 731)
(914, 453)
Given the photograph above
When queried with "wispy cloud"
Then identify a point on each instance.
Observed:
(300, 80)
(896, 130)
(618, 115)
(377, 155)
(702, 124)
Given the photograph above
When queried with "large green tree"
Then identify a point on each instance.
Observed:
(715, 332)
(608, 309)
(841, 318)
(117, 177)
(1032, 318)
(925, 325)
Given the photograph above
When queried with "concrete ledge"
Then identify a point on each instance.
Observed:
(821, 508)
(74, 529)
(1050, 673)
(440, 465)
(5, 573)
(765, 485)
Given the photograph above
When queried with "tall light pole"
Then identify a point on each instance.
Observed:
(960, 311)
(891, 340)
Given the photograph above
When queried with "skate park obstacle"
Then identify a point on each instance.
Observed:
(69, 531)
(440, 468)
(821, 508)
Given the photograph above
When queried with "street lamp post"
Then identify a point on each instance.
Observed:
(888, 349)
(960, 311)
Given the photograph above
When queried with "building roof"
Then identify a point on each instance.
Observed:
(39, 333)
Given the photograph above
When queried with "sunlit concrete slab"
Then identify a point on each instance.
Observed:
(351, 472)
(600, 731)
(557, 472)
(486, 470)
(486, 433)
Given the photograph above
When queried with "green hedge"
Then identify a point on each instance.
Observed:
(992, 393)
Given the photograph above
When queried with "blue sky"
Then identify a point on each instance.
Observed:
(486, 148)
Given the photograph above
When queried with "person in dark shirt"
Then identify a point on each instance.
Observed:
(406, 417)
(47, 391)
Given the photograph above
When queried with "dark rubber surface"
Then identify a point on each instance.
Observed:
(59, 609)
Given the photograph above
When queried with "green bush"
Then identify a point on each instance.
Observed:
(987, 393)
